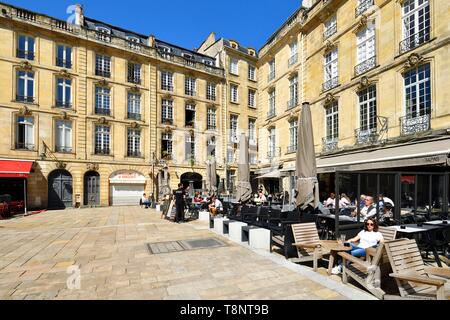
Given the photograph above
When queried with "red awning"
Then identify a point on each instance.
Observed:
(15, 169)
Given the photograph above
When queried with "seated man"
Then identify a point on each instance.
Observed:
(215, 207)
(369, 210)
(145, 201)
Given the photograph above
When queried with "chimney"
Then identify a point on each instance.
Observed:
(79, 15)
(151, 41)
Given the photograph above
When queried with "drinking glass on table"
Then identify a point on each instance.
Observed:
(342, 238)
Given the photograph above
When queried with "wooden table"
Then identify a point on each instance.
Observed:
(335, 247)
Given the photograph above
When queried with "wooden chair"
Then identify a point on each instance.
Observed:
(307, 242)
(370, 273)
(411, 275)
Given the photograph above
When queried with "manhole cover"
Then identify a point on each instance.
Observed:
(184, 245)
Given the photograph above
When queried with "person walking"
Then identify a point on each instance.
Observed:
(179, 202)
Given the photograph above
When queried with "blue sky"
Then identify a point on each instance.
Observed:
(185, 23)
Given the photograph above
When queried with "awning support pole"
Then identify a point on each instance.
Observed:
(25, 195)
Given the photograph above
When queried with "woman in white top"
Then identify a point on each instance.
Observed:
(368, 238)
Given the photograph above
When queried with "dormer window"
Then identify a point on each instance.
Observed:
(165, 52)
(234, 45)
(103, 34)
(134, 42)
(190, 60)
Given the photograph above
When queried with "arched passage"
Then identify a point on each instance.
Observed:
(193, 177)
(60, 190)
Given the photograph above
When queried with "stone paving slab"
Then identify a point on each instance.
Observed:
(109, 246)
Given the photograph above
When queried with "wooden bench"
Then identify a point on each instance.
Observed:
(307, 242)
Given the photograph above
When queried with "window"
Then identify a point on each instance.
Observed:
(366, 50)
(416, 24)
(134, 73)
(166, 81)
(211, 91)
(102, 101)
(234, 122)
(251, 98)
(134, 43)
(234, 90)
(253, 158)
(293, 92)
(190, 148)
(63, 136)
(103, 34)
(190, 115)
(363, 6)
(368, 109)
(418, 91)
(134, 106)
(166, 146)
(165, 52)
(234, 66)
(64, 93)
(251, 73)
(25, 47)
(332, 122)
(272, 101)
(211, 121)
(103, 66)
(330, 27)
(190, 59)
(331, 70)
(211, 147)
(102, 139)
(167, 111)
(64, 56)
(252, 131)
(25, 133)
(271, 70)
(294, 53)
(25, 87)
(293, 137)
(230, 156)
(272, 143)
(190, 86)
(134, 143)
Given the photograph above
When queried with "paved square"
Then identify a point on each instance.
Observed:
(110, 248)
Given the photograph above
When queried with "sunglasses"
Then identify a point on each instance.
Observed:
(369, 224)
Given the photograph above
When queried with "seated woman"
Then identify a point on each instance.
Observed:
(215, 207)
(198, 200)
(370, 237)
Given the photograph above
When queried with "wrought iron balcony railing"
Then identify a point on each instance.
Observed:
(233, 136)
(167, 121)
(329, 32)
(291, 104)
(63, 149)
(211, 97)
(292, 149)
(414, 123)
(271, 76)
(134, 154)
(24, 54)
(190, 93)
(134, 79)
(103, 73)
(103, 111)
(330, 84)
(274, 153)
(24, 99)
(415, 40)
(167, 88)
(102, 151)
(373, 135)
(134, 116)
(25, 146)
(363, 7)
(63, 104)
(64, 63)
(271, 114)
(329, 144)
(365, 66)
(293, 60)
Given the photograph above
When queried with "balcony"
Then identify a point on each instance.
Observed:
(134, 154)
(167, 121)
(61, 149)
(211, 128)
(271, 76)
(292, 149)
(24, 99)
(191, 63)
(329, 144)
(271, 114)
(413, 123)
(373, 135)
(102, 36)
(211, 97)
(102, 73)
(363, 7)
(134, 79)
(291, 104)
(167, 88)
(191, 93)
(134, 45)
(330, 84)
(134, 116)
(25, 15)
(63, 104)
(25, 146)
(365, 66)
(103, 111)
(102, 151)
(24, 54)
(293, 60)
(415, 40)
(63, 63)
(329, 32)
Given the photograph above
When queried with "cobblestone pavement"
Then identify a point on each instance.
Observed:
(109, 245)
